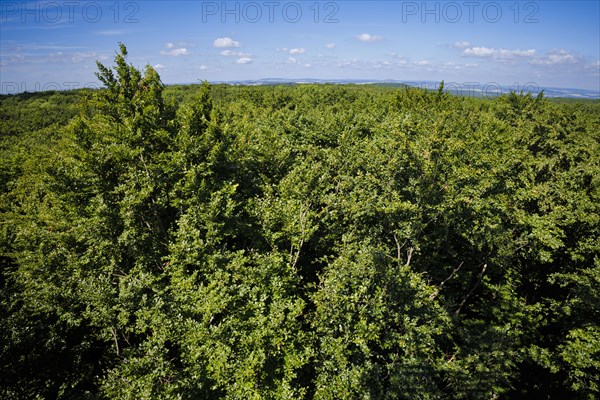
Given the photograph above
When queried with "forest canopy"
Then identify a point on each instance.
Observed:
(297, 242)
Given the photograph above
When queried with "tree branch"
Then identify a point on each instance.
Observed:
(462, 303)
(434, 295)
(114, 333)
(398, 246)
(302, 233)
(409, 254)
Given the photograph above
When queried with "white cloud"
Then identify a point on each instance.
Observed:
(77, 57)
(384, 64)
(172, 50)
(225, 42)
(422, 62)
(402, 60)
(450, 65)
(112, 32)
(353, 63)
(479, 52)
(499, 54)
(85, 56)
(297, 51)
(366, 37)
(203, 67)
(182, 51)
(16, 58)
(556, 57)
(229, 53)
(461, 45)
(56, 56)
(159, 67)
(593, 67)
(291, 60)
(330, 45)
(308, 65)
(244, 60)
(455, 67)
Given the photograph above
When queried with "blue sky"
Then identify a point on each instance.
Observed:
(54, 44)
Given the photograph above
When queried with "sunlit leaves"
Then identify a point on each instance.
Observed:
(296, 242)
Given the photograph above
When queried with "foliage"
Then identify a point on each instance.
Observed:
(310, 241)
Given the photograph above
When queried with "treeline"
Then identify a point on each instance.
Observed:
(297, 242)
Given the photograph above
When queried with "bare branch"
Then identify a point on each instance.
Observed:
(409, 254)
(462, 303)
(114, 333)
(397, 245)
(434, 295)
(302, 234)
(451, 275)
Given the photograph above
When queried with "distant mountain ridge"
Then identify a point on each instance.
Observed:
(490, 89)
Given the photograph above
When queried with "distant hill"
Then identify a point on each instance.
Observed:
(461, 89)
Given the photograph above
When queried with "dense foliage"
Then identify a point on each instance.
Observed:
(290, 242)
